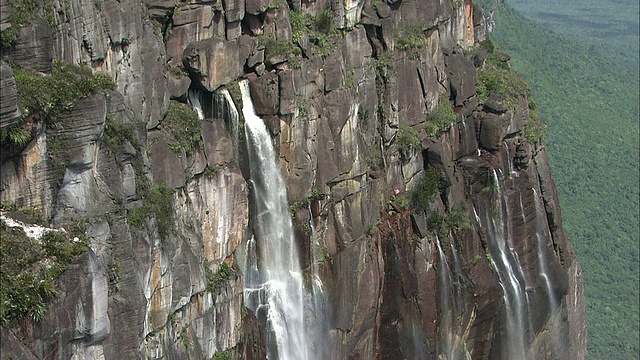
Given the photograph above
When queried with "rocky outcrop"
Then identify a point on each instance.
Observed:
(9, 111)
(473, 263)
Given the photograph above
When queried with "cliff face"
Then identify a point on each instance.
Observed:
(363, 100)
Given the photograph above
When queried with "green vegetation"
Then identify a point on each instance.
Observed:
(23, 14)
(115, 134)
(606, 24)
(535, 129)
(34, 214)
(158, 202)
(441, 117)
(305, 202)
(586, 86)
(411, 39)
(29, 269)
(489, 260)
(185, 126)
(222, 355)
(45, 96)
(426, 190)
(177, 72)
(457, 219)
(495, 77)
(215, 281)
(15, 136)
(284, 50)
(407, 140)
(321, 30)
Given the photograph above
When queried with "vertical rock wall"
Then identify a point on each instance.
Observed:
(337, 82)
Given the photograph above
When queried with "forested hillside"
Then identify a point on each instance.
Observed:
(586, 87)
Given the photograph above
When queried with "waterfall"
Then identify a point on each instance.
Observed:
(541, 236)
(224, 102)
(218, 105)
(451, 303)
(505, 261)
(447, 303)
(511, 171)
(276, 292)
(194, 100)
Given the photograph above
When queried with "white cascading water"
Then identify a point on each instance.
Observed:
(231, 116)
(541, 236)
(274, 284)
(512, 172)
(505, 261)
(447, 303)
(452, 308)
(194, 100)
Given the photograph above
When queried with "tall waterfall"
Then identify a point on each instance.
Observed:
(274, 283)
(507, 265)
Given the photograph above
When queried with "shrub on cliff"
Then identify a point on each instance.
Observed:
(23, 12)
(496, 77)
(29, 269)
(407, 140)
(439, 118)
(426, 190)
(185, 126)
(158, 202)
(215, 281)
(45, 96)
(321, 30)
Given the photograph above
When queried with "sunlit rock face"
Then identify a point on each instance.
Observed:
(359, 102)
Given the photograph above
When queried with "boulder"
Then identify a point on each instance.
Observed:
(255, 7)
(492, 131)
(462, 76)
(178, 86)
(214, 61)
(382, 9)
(264, 92)
(234, 9)
(495, 104)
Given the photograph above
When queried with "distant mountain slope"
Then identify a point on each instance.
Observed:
(589, 99)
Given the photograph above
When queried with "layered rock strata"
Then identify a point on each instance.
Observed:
(339, 85)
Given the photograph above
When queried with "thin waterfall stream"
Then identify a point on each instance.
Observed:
(274, 287)
(541, 235)
(505, 261)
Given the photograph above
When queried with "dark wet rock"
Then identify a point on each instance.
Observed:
(492, 131)
(495, 104)
(462, 76)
